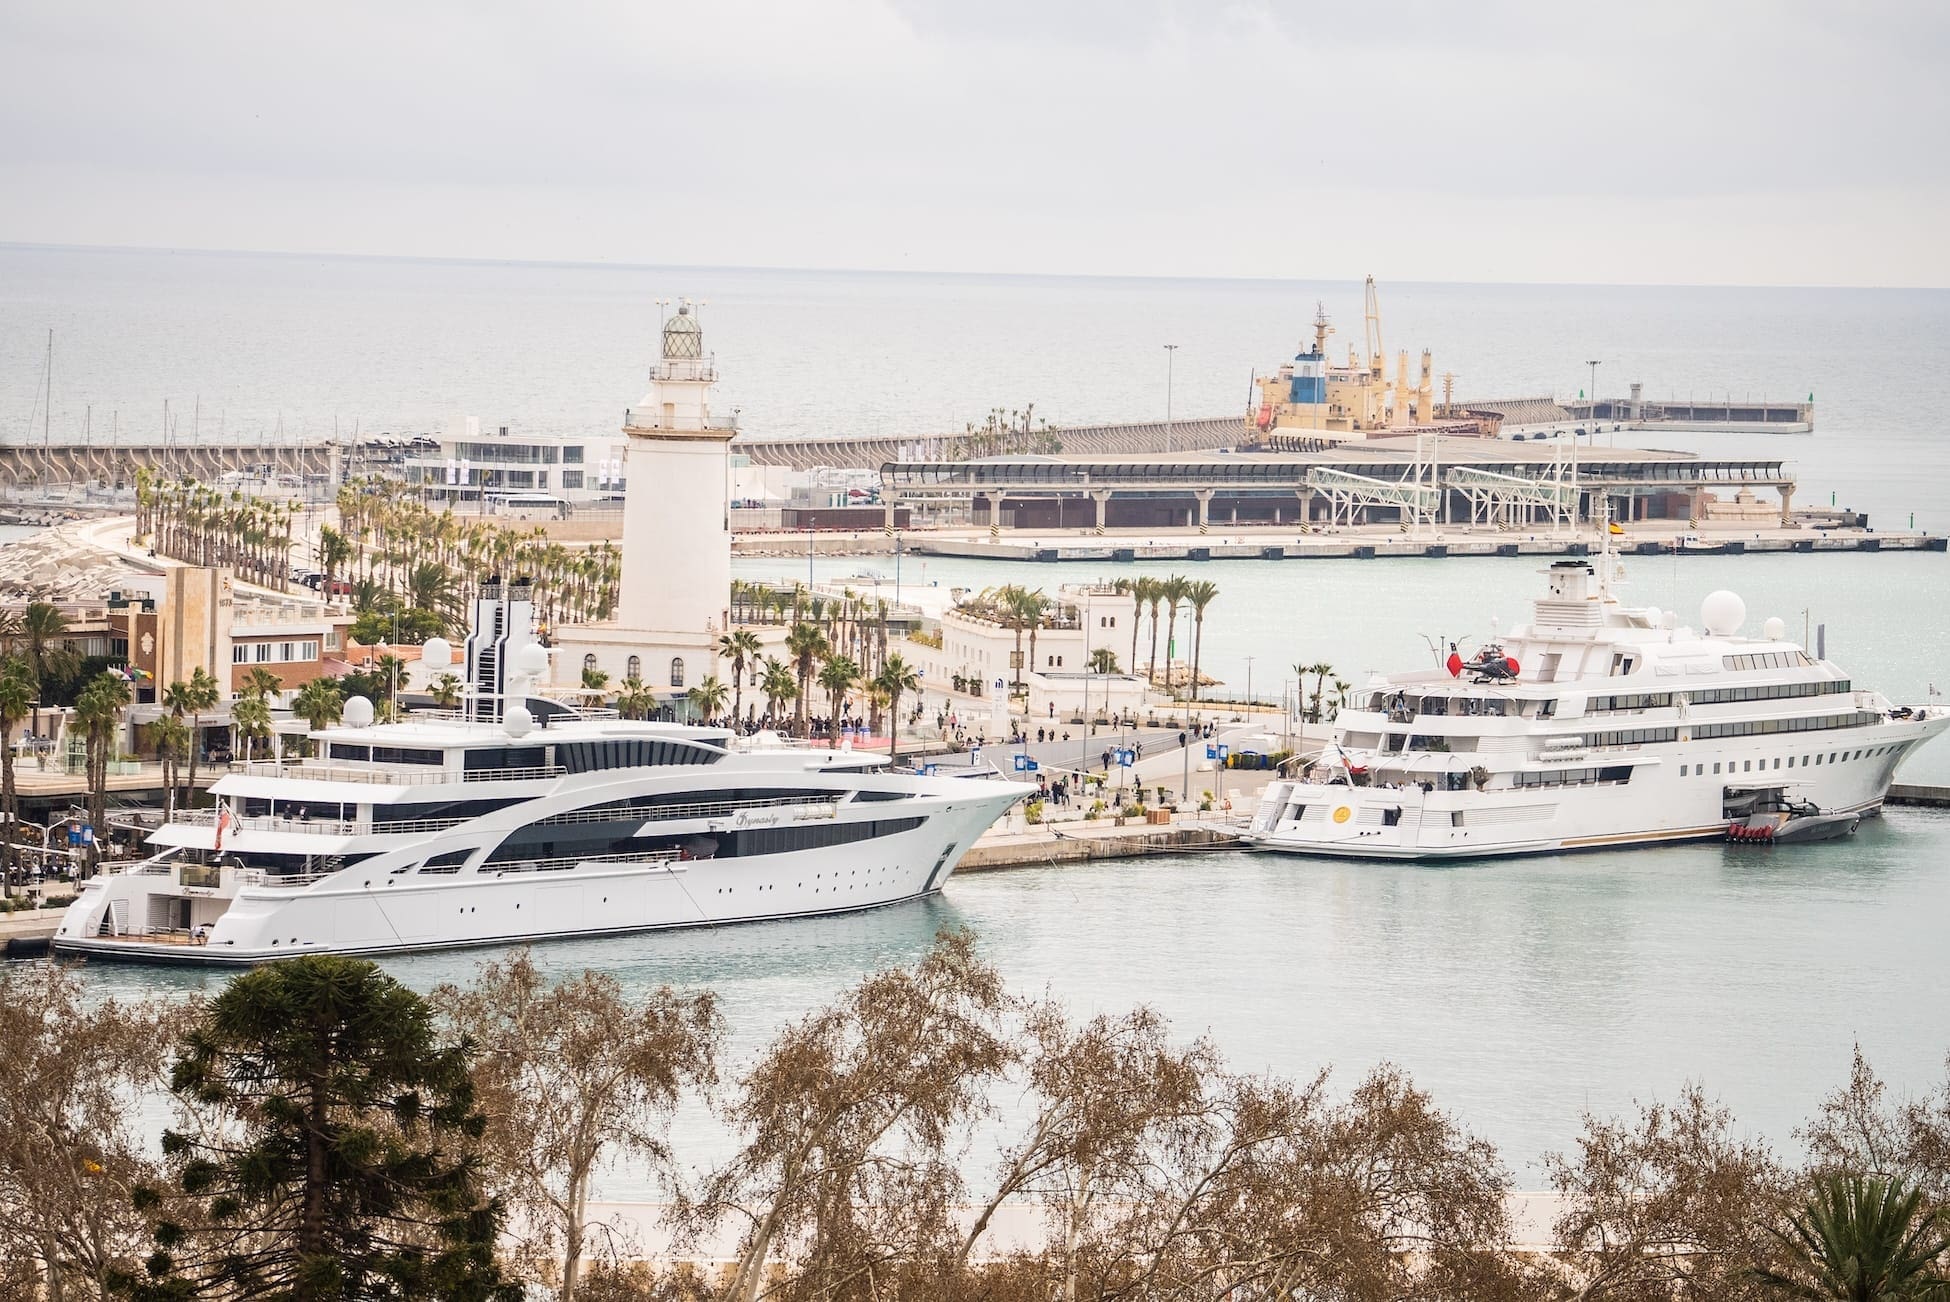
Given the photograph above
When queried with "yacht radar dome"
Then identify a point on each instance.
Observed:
(517, 721)
(1722, 613)
(1774, 629)
(438, 653)
(532, 660)
(357, 713)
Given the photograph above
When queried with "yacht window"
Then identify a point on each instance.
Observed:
(1716, 766)
(483, 758)
(347, 751)
(407, 755)
(630, 752)
(1777, 761)
(1747, 767)
(1682, 770)
(782, 840)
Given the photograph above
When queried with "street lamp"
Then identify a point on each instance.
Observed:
(1170, 443)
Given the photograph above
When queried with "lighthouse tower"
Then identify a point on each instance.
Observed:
(676, 531)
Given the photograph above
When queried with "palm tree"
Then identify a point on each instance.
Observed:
(1200, 594)
(430, 586)
(594, 679)
(445, 691)
(837, 677)
(708, 698)
(741, 647)
(634, 700)
(251, 717)
(779, 684)
(1321, 670)
(807, 645)
(43, 626)
(1175, 589)
(17, 696)
(320, 703)
(1860, 1238)
(98, 709)
(1028, 608)
(896, 678)
(1103, 660)
(334, 550)
(1156, 596)
(262, 683)
(200, 693)
(172, 741)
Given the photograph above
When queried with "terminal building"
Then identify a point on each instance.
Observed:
(1489, 483)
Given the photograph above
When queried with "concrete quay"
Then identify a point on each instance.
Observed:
(1913, 793)
(1337, 544)
(1080, 840)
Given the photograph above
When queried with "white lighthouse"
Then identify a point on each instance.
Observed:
(676, 534)
(676, 581)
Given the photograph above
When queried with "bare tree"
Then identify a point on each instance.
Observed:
(571, 1076)
(1668, 1205)
(849, 1125)
(1110, 1098)
(1377, 1196)
(74, 1073)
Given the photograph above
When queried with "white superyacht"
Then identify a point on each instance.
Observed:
(1598, 725)
(520, 818)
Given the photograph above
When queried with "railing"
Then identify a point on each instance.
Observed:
(319, 826)
(649, 858)
(280, 881)
(392, 775)
(698, 809)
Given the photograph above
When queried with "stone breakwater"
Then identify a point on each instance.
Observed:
(61, 565)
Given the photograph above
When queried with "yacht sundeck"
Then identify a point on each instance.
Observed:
(1596, 725)
(518, 818)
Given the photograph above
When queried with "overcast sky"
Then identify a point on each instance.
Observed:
(1698, 142)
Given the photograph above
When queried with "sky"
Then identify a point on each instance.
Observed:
(1726, 142)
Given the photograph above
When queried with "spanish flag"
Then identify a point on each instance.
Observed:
(1617, 528)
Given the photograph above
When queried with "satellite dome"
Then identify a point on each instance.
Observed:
(438, 653)
(683, 337)
(357, 713)
(1774, 629)
(517, 721)
(532, 660)
(1722, 613)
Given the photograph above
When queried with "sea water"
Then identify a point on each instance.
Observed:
(1522, 992)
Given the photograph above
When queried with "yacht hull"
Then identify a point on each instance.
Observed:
(1659, 806)
(373, 913)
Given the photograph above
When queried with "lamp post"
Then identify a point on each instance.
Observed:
(1171, 444)
(1249, 680)
(1592, 416)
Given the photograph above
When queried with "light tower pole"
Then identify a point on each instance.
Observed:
(1593, 418)
(1171, 444)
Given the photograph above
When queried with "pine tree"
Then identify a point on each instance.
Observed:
(334, 1157)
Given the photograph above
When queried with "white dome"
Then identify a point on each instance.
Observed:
(1774, 629)
(438, 653)
(517, 721)
(1652, 615)
(357, 713)
(1722, 613)
(532, 660)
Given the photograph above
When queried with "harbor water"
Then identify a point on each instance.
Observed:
(1521, 992)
